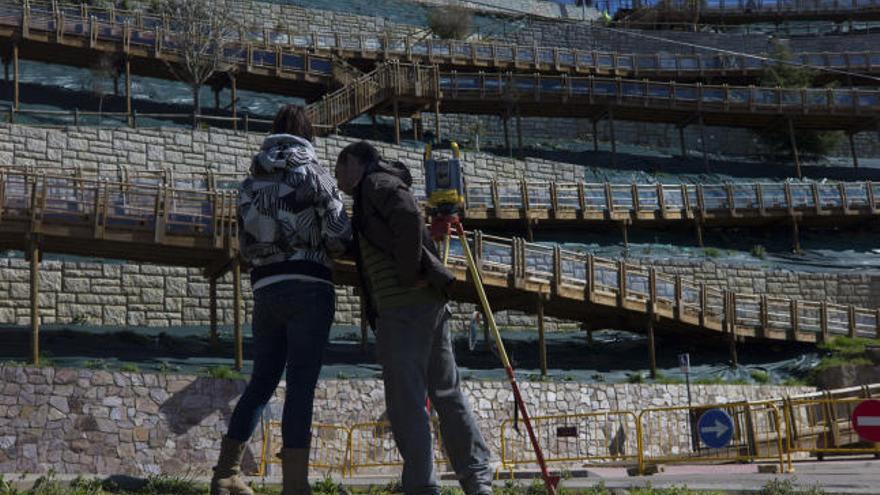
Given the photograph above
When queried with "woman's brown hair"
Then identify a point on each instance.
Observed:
(292, 119)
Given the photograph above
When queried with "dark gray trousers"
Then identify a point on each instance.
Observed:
(415, 352)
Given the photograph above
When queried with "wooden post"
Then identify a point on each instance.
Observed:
(396, 122)
(794, 148)
(852, 149)
(519, 137)
(613, 138)
(625, 231)
(595, 135)
(795, 236)
(415, 126)
(16, 75)
(703, 143)
(684, 153)
(128, 92)
(542, 342)
(233, 86)
(589, 329)
(731, 327)
(652, 351)
(698, 224)
(215, 335)
(364, 324)
(34, 254)
(236, 314)
(507, 136)
(437, 121)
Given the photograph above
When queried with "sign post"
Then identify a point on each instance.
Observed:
(684, 363)
(866, 420)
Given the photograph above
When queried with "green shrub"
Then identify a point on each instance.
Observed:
(667, 380)
(758, 251)
(760, 376)
(635, 378)
(450, 22)
(95, 364)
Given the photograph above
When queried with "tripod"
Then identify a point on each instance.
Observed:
(442, 226)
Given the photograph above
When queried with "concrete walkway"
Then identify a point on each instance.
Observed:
(835, 477)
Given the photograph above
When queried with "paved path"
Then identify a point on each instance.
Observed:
(837, 477)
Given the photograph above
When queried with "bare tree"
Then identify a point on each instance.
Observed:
(200, 30)
(104, 80)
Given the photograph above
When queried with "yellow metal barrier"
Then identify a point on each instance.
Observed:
(329, 449)
(824, 426)
(601, 438)
(669, 435)
(371, 446)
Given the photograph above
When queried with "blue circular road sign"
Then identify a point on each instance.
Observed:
(715, 428)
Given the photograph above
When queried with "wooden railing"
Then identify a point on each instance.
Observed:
(77, 210)
(348, 102)
(155, 40)
(578, 200)
(287, 50)
(741, 6)
(665, 95)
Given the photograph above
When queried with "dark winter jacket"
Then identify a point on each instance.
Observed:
(388, 216)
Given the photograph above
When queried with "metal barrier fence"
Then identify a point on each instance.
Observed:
(770, 431)
(601, 438)
(669, 435)
(371, 445)
(823, 426)
(329, 452)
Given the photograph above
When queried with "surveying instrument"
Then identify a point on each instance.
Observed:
(445, 194)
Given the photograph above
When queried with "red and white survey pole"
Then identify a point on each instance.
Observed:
(441, 227)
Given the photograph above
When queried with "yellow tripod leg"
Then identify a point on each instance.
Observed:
(549, 481)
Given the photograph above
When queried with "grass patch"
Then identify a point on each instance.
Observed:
(222, 372)
(848, 346)
(95, 364)
(787, 487)
(129, 368)
(667, 380)
(717, 380)
(711, 252)
(836, 361)
(635, 378)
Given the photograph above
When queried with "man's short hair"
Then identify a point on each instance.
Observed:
(362, 151)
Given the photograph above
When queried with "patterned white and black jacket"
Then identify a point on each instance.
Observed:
(292, 220)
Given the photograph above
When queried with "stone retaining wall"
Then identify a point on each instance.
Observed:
(98, 422)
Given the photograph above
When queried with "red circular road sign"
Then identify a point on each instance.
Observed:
(866, 420)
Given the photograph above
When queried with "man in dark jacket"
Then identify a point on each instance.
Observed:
(404, 285)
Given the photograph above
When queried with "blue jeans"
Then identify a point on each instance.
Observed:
(291, 326)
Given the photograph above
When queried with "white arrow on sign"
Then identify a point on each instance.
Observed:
(868, 420)
(719, 429)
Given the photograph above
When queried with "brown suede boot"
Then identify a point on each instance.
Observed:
(295, 469)
(226, 480)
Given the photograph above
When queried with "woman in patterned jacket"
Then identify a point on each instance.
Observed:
(292, 224)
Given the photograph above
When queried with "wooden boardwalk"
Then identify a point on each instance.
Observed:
(310, 65)
(511, 205)
(636, 12)
(186, 227)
